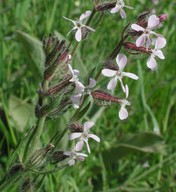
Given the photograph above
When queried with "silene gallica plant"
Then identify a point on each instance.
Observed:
(63, 89)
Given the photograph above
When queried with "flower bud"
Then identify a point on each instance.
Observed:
(75, 127)
(40, 157)
(162, 17)
(105, 6)
(58, 156)
(104, 99)
(27, 186)
(132, 47)
(15, 169)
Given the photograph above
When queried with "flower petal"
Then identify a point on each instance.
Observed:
(122, 85)
(123, 113)
(126, 91)
(69, 20)
(78, 35)
(88, 125)
(160, 43)
(108, 72)
(159, 53)
(89, 28)
(85, 15)
(122, 14)
(137, 27)
(130, 75)
(115, 9)
(71, 162)
(88, 148)
(151, 63)
(153, 21)
(74, 135)
(112, 84)
(95, 137)
(79, 145)
(141, 40)
(92, 83)
(121, 60)
(80, 158)
(79, 87)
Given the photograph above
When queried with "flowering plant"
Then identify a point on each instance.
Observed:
(62, 90)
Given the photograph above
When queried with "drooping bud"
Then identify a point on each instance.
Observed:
(39, 157)
(58, 156)
(75, 127)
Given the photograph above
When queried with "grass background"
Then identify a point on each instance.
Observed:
(152, 98)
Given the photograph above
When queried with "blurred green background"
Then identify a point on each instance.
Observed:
(134, 155)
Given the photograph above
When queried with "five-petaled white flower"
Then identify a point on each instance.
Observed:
(119, 7)
(73, 156)
(123, 113)
(159, 44)
(84, 136)
(145, 38)
(121, 61)
(78, 25)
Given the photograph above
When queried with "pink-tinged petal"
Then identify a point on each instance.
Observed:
(79, 87)
(108, 72)
(112, 84)
(80, 158)
(88, 148)
(115, 9)
(71, 162)
(79, 145)
(126, 91)
(130, 75)
(141, 40)
(85, 15)
(160, 43)
(76, 72)
(153, 21)
(137, 27)
(121, 61)
(151, 63)
(74, 135)
(148, 42)
(92, 83)
(123, 113)
(89, 28)
(159, 53)
(122, 14)
(78, 35)
(88, 125)
(81, 155)
(93, 136)
(75, 100)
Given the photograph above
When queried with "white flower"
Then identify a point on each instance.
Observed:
(123, 113)
(84, 136)
(75, 156)
(119, 7)
(159, 44)
(78, 25)
(145, 38)
(121, 61)
(79, 87)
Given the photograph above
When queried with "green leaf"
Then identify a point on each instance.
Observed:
(21, 112)
(35, 53)
(142, 142)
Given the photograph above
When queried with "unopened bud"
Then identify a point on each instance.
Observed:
(40, 157)
(75, 127)
(104, 99)
(58, 156)
(162, 17)
(16, 169)
(132, 47)
(105, 6)
(27, 186)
